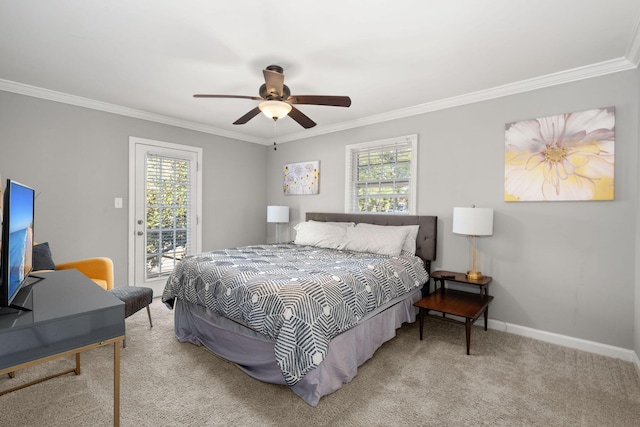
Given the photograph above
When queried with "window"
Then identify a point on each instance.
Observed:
(381, 176)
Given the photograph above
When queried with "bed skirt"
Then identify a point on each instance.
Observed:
(254, 353)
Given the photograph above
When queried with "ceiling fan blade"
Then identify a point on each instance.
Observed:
(335, 101)
(301, 118)
(201, 95)
(250, 115)
(274, 82)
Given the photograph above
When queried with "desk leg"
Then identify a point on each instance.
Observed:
(116, 384)
(421, 316)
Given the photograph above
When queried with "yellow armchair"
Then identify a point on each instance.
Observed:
(99, 269)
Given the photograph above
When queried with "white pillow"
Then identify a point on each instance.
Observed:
(344, 225)
(320, 234)
(384, 240)
(409, 245)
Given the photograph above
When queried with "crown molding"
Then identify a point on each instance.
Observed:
(633, 53)
(563, 77)
(65, 98)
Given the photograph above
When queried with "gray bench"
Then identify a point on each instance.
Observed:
(135, 298)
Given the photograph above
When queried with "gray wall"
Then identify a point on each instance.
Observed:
(77, 159)
(562, 267)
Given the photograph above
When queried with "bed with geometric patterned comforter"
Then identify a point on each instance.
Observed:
(298, 297)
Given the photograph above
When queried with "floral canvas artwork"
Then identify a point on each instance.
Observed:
(302, 178)
(564, 157)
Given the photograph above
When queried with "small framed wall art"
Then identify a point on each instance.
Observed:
(559, 158)
(302, 178)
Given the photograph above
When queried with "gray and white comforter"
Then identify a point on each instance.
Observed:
(299, 296)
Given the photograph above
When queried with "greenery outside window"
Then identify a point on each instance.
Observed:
(168, 204)
(381, 176)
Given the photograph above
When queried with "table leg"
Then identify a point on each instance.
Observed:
(77, 370)
(116, 384)
(467, 327)
(421, 316)
(442, 292)
(486, 317)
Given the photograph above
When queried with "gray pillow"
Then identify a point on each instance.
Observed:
(42, 259)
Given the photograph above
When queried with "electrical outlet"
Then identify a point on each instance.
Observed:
(118, 202)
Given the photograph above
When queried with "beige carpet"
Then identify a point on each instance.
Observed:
(508, 380)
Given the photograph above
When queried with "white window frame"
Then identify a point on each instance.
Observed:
(351, 150)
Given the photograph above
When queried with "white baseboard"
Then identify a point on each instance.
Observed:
(566, 341)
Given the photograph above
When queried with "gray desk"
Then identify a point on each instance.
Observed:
(71, 314)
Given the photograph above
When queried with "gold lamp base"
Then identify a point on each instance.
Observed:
(474, 275)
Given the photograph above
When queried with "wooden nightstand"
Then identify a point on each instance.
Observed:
(456, 303)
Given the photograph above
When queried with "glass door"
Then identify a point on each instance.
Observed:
(165, 218)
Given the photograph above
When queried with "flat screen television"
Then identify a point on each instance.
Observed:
(17, 242)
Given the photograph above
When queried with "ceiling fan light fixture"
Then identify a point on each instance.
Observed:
(274, 109)
(276, 100)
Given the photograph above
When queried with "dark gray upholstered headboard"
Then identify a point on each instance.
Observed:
(427, 233)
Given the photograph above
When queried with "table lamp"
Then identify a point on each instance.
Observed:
(279, 215)
(473, 222)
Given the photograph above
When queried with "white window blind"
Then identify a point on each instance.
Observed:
(381, 176)
(168, 204)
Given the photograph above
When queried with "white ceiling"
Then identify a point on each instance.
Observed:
(146, 58)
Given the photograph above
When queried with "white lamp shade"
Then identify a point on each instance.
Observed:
(274, 109)
(473, 221)
(278, 214)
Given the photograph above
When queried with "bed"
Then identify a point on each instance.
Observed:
(305, 315)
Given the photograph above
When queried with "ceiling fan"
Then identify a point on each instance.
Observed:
(277, 100)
